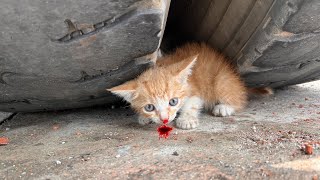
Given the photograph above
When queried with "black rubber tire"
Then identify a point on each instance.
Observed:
(273, 42)
(46, 66)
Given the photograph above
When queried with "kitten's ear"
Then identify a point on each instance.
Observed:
(125, 90)
(185, 68)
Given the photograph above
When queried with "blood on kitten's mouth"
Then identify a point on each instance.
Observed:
(165, 121)
(164, 130)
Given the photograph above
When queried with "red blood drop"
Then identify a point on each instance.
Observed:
(165, 121)
(164, 131)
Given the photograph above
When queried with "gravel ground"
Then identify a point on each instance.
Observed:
(265, 141)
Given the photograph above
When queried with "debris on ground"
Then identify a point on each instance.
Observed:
(175, 153)
(55, 126)
(4, 141)
(189, 139)
(308, 149)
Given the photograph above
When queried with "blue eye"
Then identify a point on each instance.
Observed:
(149, 107)
(173, 101)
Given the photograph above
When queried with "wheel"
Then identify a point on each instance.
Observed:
(273, 42)
(59, 55)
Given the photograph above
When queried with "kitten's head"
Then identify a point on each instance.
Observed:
(158, 93)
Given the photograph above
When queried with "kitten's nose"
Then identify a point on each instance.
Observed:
(165, 121)
(164, 117)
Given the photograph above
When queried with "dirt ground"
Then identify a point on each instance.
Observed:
(265, 141)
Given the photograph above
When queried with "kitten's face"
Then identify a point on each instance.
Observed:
(159, 93)
(158, 97)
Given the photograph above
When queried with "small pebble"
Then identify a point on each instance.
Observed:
(308, 149)
(118, 155)
(58, 162)
(189, 139)
(175, 153)
(55, 126)
(315, 177)
(254, 128)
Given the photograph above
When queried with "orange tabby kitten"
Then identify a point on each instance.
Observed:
(192, 78)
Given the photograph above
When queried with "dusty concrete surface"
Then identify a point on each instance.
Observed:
(265, 141)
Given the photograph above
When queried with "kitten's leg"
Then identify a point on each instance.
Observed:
(229, 101)
(144, 121)
(189, 113)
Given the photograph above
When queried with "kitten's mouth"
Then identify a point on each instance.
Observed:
(165, 121)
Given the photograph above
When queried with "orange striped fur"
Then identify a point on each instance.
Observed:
(197, 76)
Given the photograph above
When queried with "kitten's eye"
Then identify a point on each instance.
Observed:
(173, 101)
(149, 107)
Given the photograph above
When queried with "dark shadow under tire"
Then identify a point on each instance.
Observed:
(273, 42)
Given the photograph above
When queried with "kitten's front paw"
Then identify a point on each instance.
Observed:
(187, 122)
(223, 110)
(144, 121)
